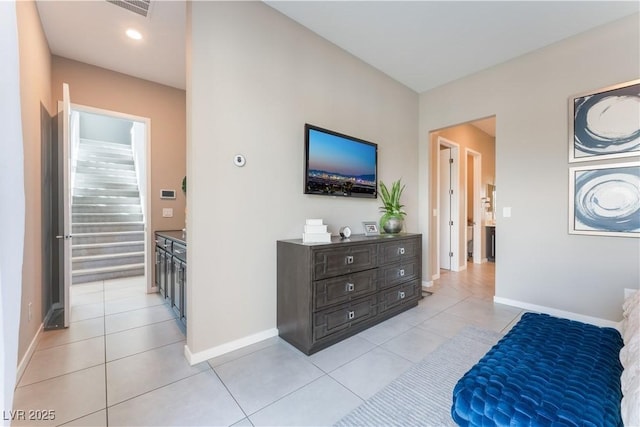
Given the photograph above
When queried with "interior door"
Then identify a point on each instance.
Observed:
(446, 222)
(64, 116)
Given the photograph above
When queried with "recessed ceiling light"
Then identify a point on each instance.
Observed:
(134, 34)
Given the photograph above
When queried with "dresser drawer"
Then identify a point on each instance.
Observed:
(336, 262)
(338, 318)
(399, 295)
(394, 274)
(180, 251)
(399, 250)
(163, 243)
(344, 288)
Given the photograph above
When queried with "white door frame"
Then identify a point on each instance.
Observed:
(477, 203)
(149, 246)
(455, 202)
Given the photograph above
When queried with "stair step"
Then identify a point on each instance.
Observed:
(95, 274)
(102, 164)
(105, 208)
(105, 200)
(110, 159)
(78, 184)
(109, 237)
(104, 227)
(88, 142)
(105, 170)
(106, 248)
(106, 217)
(102, 192)
(108, 260)
(103, 148)
(85, 178)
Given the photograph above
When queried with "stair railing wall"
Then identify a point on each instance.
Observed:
(138, 139)
(74, 135)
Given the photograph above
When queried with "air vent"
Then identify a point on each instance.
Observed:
(141, 7)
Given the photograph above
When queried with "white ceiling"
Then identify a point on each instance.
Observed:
(422, 44)
(94, 32)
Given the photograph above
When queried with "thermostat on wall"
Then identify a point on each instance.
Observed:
(167, 194)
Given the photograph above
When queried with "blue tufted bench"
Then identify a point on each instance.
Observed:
(545, 372)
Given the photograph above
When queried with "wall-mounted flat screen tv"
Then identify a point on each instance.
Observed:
(339, 165)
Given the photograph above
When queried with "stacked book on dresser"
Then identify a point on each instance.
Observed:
(315, 232)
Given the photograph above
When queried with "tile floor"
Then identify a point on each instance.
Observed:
(121, 361)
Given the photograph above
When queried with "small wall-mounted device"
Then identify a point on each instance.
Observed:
(168, 194)
(239, 160)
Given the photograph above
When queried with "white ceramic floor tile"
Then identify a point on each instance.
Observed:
(86, 298)
(417, 315)
(243, 423)
(383, 332)
(321, 403)
(484, 313)
(77, 331)
(260, 378)
(132, 341)
(439, 301)
(86, 311)
(200, 400)
(71, 396)
(414, 344)
(343, 352)
(143, 372)
(132, 303)
(85, 288)
(136, 318)
(369, 373)
(446, 324)
(63, 359)
(126, 282)
(97, 419)
(244, 351)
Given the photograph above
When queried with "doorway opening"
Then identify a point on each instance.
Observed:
(448, 205)
(473, 206)
(462, 167)
(110, 203)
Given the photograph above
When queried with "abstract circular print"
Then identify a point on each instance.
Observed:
(607, 122)
(608, 199)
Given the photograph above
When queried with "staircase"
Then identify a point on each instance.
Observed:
(107, 221)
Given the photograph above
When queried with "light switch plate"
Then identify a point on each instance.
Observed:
(506, 212)
(167, 212)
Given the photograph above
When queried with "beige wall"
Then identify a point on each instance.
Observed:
(35, 90)
(538, 263)
(96, 87)
(472, 138)
(256, 78)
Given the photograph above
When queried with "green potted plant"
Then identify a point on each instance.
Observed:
(393, 218)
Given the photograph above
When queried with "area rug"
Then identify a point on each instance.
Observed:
(422, 395)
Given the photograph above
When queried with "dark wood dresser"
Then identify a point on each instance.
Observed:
(330, 291)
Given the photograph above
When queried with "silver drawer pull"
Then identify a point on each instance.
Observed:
(351, 315)
(350, 287)
(401, 251)
(401, 272)
(401, 295)
(178, 251)
(349, 259)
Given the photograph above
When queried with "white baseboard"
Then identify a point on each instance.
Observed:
(426, 284)
(558, 313)
(28, 354)
(201, 356)
(435, 276)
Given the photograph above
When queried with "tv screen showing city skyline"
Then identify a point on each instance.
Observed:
(339, 165)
